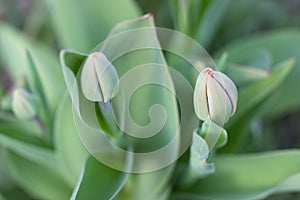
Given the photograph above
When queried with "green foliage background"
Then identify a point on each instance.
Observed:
(262, 41)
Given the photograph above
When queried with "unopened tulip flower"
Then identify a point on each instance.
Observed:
(99, 78)
(215, 96)
(24, 104)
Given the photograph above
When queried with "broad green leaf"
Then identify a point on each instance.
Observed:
(150, 184)
(281, 44)
(40, 180)
(148, 94)
(153, 185)
(80, 25)
(114, 48)
(13, 55)
(249, 176)
(251, 99)
(135, 62)
(67, 142)
(98, 181)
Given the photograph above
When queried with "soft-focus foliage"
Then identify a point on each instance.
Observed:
(47, 146)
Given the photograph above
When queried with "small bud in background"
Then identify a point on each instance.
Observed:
(215, 97)
(24, 104)
(99, 78)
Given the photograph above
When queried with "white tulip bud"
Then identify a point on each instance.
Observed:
(215, 97)
(99, 78)
(24, 104)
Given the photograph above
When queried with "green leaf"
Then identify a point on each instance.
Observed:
(243, 75)
(23, 130)
(35, 82)
(257, 65)
(181, 13)
(13, 56)
(40, 180)
(150, 183)
(72, 59)
(211, 20)
(199, 19)
(280, 44)
(71, 62)
(251, 16)
(29, 151)
(147, 95)
(18, 137)
(248, 176)
(153, 185)
(67, 142)
(214, 135)
(14, 137)
(250, 100)
(36, 87)
(94, 19)
(99, 181)
(197, 166)
(6, 181)
(251, 96)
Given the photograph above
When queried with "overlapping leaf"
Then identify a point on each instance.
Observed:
(282, 44)
(252, 176)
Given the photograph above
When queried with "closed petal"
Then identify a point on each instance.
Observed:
(229, 88)
(200, 97)
(219, 104)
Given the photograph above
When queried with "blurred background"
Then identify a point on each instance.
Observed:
(47, 24)
(243, 19)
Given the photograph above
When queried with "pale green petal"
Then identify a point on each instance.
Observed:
(229, 88)
(200, 97)
(99, 79)
(218, 102)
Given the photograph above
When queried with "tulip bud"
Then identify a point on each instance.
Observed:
(24, 105)
(99, 78)
(215, 97)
